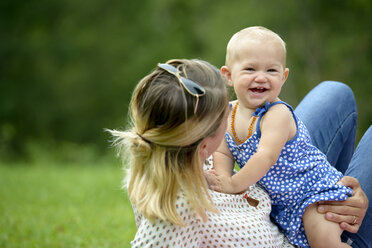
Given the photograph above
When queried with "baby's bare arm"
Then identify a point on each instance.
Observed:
(223, 165)
(223, 160)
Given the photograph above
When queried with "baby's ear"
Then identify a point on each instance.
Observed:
(225, 71)
(286, 73)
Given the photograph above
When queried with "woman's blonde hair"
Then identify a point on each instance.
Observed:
(165, 136)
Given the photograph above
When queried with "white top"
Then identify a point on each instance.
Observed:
(239, 224)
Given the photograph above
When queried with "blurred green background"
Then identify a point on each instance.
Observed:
(67, 70)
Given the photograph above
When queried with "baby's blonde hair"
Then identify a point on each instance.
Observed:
(252, 33)
(164, 139)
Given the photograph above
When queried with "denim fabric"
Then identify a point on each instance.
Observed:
(361, 168)
(329, 112)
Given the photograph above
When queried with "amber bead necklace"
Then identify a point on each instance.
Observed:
(250, 128)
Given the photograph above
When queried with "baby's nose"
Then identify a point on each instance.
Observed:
(261, 77)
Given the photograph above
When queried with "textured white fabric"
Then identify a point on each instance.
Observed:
(238, 225)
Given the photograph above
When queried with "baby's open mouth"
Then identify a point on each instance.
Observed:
(258, 90)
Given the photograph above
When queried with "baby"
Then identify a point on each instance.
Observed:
(272, 146)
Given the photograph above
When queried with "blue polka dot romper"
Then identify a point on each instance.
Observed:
(301, 176)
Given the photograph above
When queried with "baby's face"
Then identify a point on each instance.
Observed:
(258, 71)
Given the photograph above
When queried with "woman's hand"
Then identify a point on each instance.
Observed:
(349, 213)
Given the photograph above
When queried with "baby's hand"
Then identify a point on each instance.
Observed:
(220, 183)
(211, 178)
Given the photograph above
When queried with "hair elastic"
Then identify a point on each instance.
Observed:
(146, 140)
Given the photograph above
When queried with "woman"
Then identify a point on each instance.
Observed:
(178, 118)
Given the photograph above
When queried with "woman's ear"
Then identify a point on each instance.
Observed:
(225, 71)
(203, 150)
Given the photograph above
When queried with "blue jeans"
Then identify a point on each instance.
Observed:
(329, 112)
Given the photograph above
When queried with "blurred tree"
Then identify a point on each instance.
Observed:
(68, 67)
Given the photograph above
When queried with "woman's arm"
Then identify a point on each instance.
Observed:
(349, 213)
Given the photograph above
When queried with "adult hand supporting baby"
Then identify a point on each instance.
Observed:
(349, 213)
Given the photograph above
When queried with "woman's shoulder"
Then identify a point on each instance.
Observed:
(183, 207)
(241, 222)
(161, 232)
(255, 199)
(237, 223)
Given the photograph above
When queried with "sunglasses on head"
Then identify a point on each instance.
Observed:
(190, 86)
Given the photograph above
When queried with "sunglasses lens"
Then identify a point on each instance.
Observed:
(193, 87)
(169, 68)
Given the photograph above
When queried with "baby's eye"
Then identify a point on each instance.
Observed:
(249, 69)
(272, 70)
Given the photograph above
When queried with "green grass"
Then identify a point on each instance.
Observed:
(64, 206)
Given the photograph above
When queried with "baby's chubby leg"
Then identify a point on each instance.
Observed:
(321, 232)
